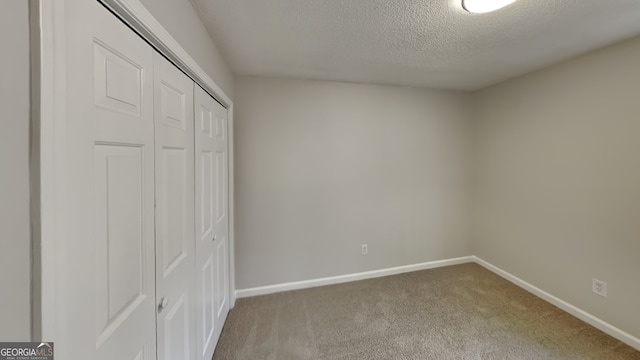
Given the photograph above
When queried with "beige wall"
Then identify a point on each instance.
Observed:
(15, 258)
(322, 167)
(182, 22)
(557, 180)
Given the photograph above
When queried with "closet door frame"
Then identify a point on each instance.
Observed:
(49, 152)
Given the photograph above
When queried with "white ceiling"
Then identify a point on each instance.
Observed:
(425, 43)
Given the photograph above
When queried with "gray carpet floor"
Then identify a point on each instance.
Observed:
(455, 312)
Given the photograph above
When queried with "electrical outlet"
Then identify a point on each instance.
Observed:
(599, 287)
(364, 248)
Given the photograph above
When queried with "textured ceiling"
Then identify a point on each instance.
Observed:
(425, 43)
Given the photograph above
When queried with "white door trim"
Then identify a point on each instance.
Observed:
(51, 71)
(52, 109)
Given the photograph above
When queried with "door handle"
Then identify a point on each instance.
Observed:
(214, 238)
(163, 304)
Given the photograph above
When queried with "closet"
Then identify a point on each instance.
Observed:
(144, 267)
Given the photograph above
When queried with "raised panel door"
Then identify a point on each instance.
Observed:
(175, 244)
(108, 285)
(212, 263)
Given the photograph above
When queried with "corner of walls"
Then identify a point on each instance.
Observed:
(555, 193)
(475, 118)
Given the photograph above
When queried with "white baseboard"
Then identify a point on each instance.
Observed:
(270, 289)
(575, 311)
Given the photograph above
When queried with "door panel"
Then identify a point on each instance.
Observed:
(175, 246)
(117, 81)
(176, 331)
(172, 201)
(119, 198)
(211, 219)
(109, 249)
(222, 292)
(206, 195)
(221, 185)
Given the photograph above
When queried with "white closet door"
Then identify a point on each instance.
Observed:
(108, 286)
(212, 258)
(221, 217)
(175, 244)
(221, 223)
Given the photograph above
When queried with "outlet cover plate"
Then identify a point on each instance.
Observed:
(599, 287)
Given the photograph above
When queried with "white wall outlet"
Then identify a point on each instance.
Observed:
(599, 287)
(364, 249)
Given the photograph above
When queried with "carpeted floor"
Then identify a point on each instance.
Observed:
(456, 312)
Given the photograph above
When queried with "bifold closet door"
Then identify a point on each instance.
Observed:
(212, 229)
(106, 274)
(175, 235)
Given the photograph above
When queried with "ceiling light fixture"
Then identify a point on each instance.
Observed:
(484, 6)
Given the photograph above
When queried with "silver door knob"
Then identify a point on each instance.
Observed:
(163, 304)
(214, 238)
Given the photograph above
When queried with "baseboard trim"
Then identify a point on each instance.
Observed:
(296, 285)
(573, 310)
